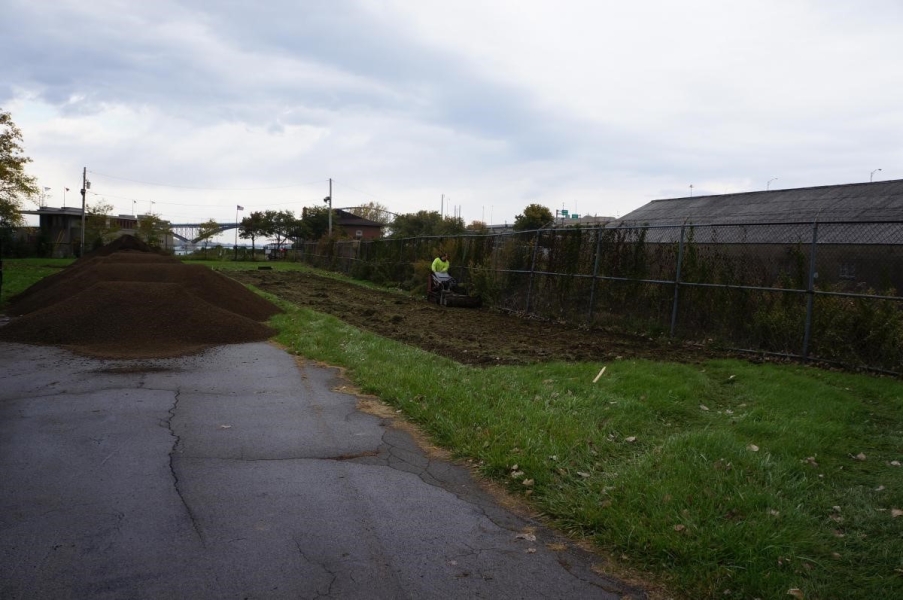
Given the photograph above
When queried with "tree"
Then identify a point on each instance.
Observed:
(280, 225)
(373, 211)
(152, 230)
(253, 227)
(99, 228)
(535, 216)
(207, 230)
(15, 183)
(478, 227)
(314, 222)
(424, 223)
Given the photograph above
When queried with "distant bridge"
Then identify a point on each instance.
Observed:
(189, 232)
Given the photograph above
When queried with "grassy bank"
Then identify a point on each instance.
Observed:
(727, 479)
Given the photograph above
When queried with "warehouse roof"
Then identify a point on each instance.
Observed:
(854, 202)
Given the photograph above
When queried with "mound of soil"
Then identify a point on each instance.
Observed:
(133, 303)
(129, 319)
(467, 335)
(123, 243)
(207, 285)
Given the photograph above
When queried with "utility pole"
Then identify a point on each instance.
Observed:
(330, 206)
(81, 251)
(442, 206)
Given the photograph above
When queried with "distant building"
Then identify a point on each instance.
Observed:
(357, 227)
(60, 230)
(854, 202)
(582, 221)
(859, 235)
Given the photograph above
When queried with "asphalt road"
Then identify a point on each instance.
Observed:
(238, 473)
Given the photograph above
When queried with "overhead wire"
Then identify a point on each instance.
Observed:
(207, 206)
(216, 189)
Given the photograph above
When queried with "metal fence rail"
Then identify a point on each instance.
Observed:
(826, 291)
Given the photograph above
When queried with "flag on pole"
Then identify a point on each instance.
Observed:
(239, 207)
(67, 189)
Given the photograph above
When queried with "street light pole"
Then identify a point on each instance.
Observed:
(328, 201)
(81, 251)
(872, 175)
(768, 185)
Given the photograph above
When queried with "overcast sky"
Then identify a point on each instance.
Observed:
(593, 106)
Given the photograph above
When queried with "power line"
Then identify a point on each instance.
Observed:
(361, 191)
(188, 187)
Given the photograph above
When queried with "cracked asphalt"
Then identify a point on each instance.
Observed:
(241, 473)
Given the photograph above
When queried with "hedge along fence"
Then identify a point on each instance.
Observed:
(825, 291)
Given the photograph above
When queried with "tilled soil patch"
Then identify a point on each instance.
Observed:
(471, 336)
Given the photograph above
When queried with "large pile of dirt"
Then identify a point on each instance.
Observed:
(133, 303)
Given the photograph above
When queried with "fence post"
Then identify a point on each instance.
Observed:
(680, 261)
(592, 288)
(400, 265)
(810, 291)
(532, 269)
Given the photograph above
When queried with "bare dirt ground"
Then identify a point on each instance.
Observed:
(471, 336)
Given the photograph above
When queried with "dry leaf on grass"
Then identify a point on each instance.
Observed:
(527, 482)
(752, 448)
(680, 528)
(630, 439)
(796, 593)
(896, 512)
(703, 407)
(895, 463)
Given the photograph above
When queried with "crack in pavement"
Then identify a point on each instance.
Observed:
(172, 469)
(329, 571)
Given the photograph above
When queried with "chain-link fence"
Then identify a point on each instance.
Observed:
(826, 291)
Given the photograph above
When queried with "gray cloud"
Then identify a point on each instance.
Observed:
(204, 91)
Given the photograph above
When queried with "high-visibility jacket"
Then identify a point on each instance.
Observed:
(440, 266)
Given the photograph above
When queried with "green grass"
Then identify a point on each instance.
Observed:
(727, 479)
(246, 265)
(721, 479)
(20, 273)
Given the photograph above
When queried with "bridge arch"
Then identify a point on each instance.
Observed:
(188, 232)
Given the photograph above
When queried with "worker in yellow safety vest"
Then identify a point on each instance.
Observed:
(441, 264)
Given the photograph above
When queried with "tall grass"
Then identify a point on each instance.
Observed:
(726, 479)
